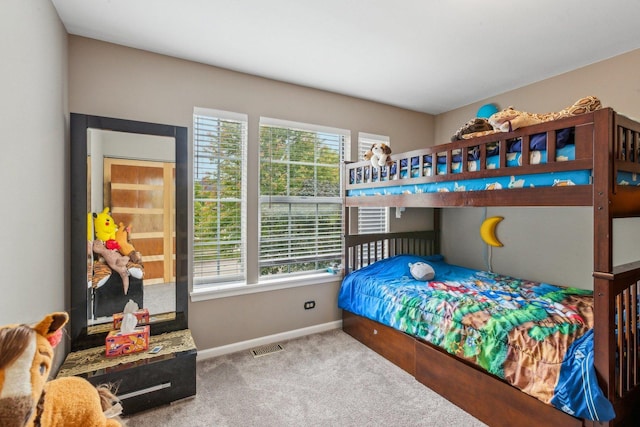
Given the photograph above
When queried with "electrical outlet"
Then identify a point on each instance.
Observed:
(309, 305)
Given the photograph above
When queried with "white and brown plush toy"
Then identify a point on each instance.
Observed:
(27, 399)
(367, 155)
(511, 119)
(380, 154)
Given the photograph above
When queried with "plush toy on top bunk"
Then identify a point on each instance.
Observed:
(111, 245)
(379, 155)
(473, 126)
(510, 119)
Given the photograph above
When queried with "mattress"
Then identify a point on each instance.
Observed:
(536, 336)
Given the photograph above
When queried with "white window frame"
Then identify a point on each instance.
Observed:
(205, 282)
(342, 134)
(254, 283)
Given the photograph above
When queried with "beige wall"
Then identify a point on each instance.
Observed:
(615, 81)
(115, 81)
(33, 165)
(547, 244)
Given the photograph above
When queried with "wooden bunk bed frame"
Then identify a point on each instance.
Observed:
(605, 143)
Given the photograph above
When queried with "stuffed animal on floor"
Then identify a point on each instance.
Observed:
(380, 154)
(28, 400)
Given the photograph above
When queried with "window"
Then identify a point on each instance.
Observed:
(371, 220)
(300, 197)
(219, 196)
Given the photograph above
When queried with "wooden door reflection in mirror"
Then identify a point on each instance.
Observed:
(137, 171)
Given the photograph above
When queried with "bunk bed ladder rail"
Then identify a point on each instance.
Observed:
(364, 249)
(616, 327)
(627, 136)
(626, 155)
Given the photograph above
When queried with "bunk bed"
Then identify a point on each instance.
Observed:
(591, 159)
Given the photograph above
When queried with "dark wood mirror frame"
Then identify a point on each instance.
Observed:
(80, 123)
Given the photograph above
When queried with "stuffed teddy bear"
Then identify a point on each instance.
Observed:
(380, 154)
(28, 399)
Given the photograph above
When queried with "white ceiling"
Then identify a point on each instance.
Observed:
(425, 55)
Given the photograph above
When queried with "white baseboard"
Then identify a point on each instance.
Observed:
(269, 339)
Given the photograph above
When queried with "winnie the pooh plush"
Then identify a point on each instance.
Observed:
(28, 399)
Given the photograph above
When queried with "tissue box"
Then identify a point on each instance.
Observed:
(119, 343)
(142, 315)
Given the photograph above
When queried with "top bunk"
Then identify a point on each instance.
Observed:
(590, 159)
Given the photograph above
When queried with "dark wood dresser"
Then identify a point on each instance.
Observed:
(143, 380)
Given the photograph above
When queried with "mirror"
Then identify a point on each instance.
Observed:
(134, 174)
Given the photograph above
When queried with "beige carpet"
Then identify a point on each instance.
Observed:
(326, 379)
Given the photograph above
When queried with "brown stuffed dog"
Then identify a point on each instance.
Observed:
(380, 154)
(27, 399)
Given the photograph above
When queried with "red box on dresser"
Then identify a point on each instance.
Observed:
(119, 343)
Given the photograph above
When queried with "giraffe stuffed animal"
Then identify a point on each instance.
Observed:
(510, 119)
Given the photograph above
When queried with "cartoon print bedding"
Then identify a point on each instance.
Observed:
(534, 335)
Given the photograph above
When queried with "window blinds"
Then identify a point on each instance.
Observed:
(219, 196)
(300, 197)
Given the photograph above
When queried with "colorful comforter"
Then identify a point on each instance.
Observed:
(535, 336)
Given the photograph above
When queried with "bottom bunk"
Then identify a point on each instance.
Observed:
(555, 326)
(484, 396)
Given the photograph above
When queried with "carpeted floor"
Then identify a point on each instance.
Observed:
(326, 379)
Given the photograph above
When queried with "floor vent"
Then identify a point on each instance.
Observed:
(267, 349)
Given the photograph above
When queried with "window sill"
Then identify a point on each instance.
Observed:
(226, 290)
